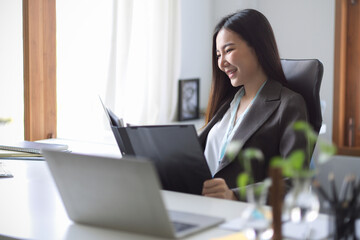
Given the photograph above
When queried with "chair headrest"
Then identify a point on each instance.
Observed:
(304, 77)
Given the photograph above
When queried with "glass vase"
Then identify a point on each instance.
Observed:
(301, 204)
(257, 215)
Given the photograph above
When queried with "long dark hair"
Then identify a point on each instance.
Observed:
(253, 27)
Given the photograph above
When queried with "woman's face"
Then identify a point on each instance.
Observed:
(236, 58)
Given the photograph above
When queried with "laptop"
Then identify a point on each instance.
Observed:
(120, 194)
(174, 149)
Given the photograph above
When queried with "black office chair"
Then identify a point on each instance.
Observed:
(304, 77)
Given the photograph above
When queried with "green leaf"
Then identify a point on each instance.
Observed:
(253, 153)
(293, 166)
(277, 162)
(245, 158)
(242, 181)
(282, 163)
(288, 170)
(285, 164)
(302, 126)
(297, 159)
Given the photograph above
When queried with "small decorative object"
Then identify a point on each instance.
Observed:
(301, 205)
(5, 120)
(343, 206)
(188, 99)
(258, 217)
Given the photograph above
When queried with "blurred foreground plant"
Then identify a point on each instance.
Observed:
(294, 165)
(245, 157)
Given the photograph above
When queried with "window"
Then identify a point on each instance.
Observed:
(11, 71)
(83, 55)
(125, 51)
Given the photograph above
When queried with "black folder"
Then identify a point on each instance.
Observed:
(175, 151)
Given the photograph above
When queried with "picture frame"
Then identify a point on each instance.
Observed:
(188, 102)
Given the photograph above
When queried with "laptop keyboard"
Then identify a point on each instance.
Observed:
(179, 226)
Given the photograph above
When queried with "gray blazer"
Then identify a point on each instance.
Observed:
(267, 126)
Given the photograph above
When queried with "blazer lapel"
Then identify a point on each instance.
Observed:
(264, 105)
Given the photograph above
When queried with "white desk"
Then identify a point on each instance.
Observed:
(31, 208)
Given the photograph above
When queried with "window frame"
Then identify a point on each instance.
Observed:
(39, 36)
(339, 108)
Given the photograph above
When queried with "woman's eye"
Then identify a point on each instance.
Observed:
(228, 50)
(218, 56)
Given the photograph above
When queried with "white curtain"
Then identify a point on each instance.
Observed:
(126, 51)
(144, 61)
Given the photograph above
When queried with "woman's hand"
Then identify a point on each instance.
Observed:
(217, 188)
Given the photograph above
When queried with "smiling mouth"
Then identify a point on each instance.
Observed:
(231, 73)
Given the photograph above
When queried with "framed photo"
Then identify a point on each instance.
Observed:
(188, 99)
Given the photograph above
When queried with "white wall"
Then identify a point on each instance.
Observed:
(303, 29)
(225, 7)
(196, 34)
(11, 71)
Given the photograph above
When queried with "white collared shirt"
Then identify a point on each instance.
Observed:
(216, 136)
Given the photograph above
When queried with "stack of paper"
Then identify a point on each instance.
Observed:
(27, 149)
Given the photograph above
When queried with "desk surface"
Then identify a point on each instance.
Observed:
(31, 208)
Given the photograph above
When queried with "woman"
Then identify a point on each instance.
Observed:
(248, 102)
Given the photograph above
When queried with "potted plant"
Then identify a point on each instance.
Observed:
(257, 215)
(300, 203)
